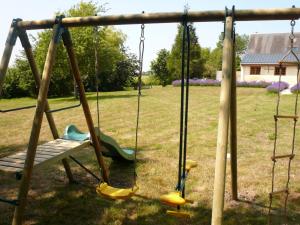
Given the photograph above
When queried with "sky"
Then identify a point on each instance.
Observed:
(157, 36)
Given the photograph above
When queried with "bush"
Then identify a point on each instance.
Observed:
(295, 88)
(258, 84)
(198, 82)
(277, 87)
(150, 80)
(211, 82)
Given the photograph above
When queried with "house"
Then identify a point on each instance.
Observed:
(262, 57)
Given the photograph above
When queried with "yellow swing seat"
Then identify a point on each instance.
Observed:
(173, 199)
(190, 164)
(115, 193)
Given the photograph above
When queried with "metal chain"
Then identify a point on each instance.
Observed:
(141, 59)
(291, 156)
(96, 44)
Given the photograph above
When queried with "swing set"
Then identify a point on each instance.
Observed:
(35, 155)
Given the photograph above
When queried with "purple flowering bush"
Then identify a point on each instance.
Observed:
(198, 82)
(258, 84)
(211, 82)
(176, 83)
(277, 87)
(295, 88)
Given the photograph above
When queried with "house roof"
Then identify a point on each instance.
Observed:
(270, 48)
(267, 58)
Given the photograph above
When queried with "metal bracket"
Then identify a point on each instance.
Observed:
(231, 13)
(61, 29)
(233, 23)
(185, 17)
(224, 23)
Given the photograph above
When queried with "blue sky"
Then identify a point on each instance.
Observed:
(158, 36)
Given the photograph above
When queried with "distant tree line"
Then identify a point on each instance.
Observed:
(204, 62)
(118, 67)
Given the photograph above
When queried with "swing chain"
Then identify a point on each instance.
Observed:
(292, 35)
(97, 80)
(141, 59)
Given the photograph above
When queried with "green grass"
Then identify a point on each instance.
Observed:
(53, 201)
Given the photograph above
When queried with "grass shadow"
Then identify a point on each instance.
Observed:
(121, 173)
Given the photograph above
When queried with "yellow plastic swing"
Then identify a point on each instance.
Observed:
(104, 189)
(115, 193)
(174, 198)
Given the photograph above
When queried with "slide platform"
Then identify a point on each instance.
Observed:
(112, 148)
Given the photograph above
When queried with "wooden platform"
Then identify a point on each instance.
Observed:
(49, 151)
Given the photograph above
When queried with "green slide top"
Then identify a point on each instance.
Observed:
(73, 133)
(113, 149)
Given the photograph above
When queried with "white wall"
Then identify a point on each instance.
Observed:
(267, 74)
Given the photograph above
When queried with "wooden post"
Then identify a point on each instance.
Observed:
(9, 45)
(233, 130)
(36, 127)
(29, 54)
(68, 171)
(222, 141)
(75, 69)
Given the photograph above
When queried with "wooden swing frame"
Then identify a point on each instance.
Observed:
(227, 110)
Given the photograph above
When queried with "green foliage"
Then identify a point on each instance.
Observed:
(204, 61)
(174, 60)
(122, 75)
(117, 67)
(19, 81)
(160, 69)
(61, 80)
(241, 43)
(213, 58)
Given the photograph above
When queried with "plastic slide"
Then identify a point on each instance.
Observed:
(112, 148)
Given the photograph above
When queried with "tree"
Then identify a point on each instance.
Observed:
(208, 61)
(174, 60)
(19, 81)
(241, 43)
(160, 69)
(122, 76)
(213, 61)
(117, 67)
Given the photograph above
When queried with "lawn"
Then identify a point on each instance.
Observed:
(53, 201)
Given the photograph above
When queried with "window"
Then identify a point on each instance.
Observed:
(277, 70)
(254, 70)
